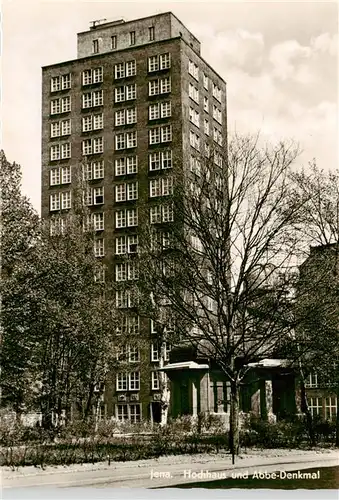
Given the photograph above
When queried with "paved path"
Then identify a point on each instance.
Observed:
(166, 472)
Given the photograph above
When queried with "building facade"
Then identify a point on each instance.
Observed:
(136, 108)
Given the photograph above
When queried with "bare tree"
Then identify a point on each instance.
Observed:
(226, 270)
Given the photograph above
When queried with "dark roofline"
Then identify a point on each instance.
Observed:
(134, 47)
(109, 23)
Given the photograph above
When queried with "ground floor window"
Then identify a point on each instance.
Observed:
(315, 406)
(128, 412)
(330, 408)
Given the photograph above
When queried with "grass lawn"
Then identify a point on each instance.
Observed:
(329, 479)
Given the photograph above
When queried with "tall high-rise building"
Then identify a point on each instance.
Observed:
(137, 106)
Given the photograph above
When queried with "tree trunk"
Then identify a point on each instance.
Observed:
(165, 393)
(305, 409)
(234, 420)
(337, 420)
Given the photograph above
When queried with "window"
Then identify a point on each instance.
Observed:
(161, 187)
(131, 68)
(194, 140)
(119, 70)
(55, 83)
(113, 42)
(132, 38)
(207, 150)
(126, 140)
(62, 105)
(195, 166)
(94, 170)
(155, 161)
(205, 81)
(207, 127)
(155, 214)
(60, 128)
(125, 192)
(132, 243)
(161, 213)
(55, 106)
(163, 61)
(193, 92)
(98, 221)
(330, 408)
(126, 218)
(216, 92)
(131, 92)
(92, 122)
(133, 271)
(123, 299)
(121, 382)
(92, 146)
(95, 46)
(92, 99)
(125, 116)
(151, 33)
(217, 114)
(55, 129)
(166, 159)
(159, 110)
(60, 151)
(54, 178)
(218, 159)
(160, 86)
(94, 196)
(315, 406)
(120, 245)
(312, 380)
(206, 104)
(99, 250)
(54, 202)
(133, 354)
(155, 384)
(66, 200)
(134, 381)
(193, 70)
(90, 76)
(154, 352)
(217, 136)
(65, 175)
(128, 165)
(121, 272)
(160, 134)
(130, 412)
(194, 116)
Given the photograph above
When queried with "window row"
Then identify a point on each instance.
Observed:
(61, 105)
(161, 213)
(93, 170)
(60, 175)
(126, 271)
(60, 82)
(160, 134)
(60, 151)
(126, 191)
(161, 187)
(59, 128)
(60, 201)
(126, 218)
(126, 244)
(159, 86)
(93, 146)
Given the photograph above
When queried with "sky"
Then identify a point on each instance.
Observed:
(279, 59)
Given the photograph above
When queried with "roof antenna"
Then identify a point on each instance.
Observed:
(97, 22)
